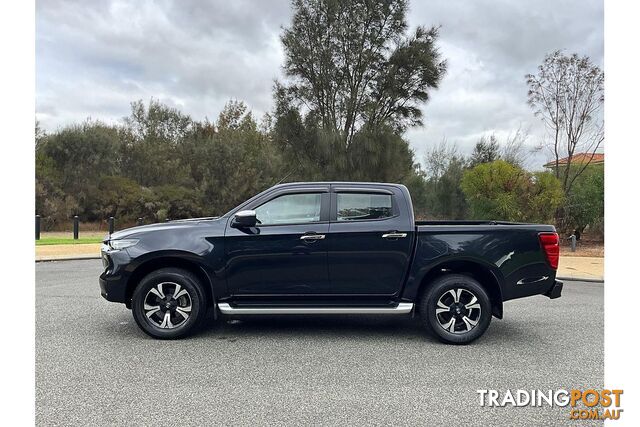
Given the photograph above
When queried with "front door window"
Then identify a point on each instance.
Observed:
(290, 209)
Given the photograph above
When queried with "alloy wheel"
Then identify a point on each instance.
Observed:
(458, 311)
(167, 305)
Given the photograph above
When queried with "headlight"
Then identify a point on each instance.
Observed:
(122, 243)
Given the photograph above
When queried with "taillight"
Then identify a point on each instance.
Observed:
(550, 244)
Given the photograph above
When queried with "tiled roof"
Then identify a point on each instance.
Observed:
(579, 158)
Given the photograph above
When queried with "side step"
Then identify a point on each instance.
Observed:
(401, 308)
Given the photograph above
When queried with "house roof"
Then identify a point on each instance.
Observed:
(579, 158)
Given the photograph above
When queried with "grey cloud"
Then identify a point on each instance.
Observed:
(490, 46)
(192, 54)
(94, 58)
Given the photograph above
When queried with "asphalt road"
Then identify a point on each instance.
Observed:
(94, 367)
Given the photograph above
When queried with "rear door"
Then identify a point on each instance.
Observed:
(369, 241)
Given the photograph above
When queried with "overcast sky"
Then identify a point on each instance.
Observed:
(94, 58)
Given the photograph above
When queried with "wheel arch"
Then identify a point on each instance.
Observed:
(487, 278)
(167, 261)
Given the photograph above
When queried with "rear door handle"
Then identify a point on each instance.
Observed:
(394, 235)
(311, 237)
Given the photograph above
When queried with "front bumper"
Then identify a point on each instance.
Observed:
(113, 280)
(112, 288)
(555, 291)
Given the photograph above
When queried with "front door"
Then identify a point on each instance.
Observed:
(285, 255)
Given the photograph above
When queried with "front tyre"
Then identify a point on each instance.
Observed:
(456, 308)
(169, 303)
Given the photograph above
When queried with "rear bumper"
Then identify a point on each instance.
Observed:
(555, 291)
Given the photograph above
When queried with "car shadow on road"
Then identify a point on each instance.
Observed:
(358, 327)
(228, 327)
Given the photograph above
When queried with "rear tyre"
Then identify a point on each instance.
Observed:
(169, 303)
(456, 309)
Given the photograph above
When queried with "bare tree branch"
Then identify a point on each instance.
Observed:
(568, 95)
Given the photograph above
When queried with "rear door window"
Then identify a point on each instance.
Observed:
(363, 206)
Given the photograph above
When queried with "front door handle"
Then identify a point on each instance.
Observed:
(394, 235)
(312, 237)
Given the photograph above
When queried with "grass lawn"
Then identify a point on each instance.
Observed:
(67, 240)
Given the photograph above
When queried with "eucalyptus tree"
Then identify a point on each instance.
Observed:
(355, 79)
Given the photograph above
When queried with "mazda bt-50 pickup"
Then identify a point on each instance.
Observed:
(328, 248)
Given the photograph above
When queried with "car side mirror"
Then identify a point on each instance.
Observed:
(244, 219)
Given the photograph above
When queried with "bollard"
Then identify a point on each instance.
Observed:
(139, 221)
(573, 242)
(75, 227)
(111, 224)
(37, 227)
